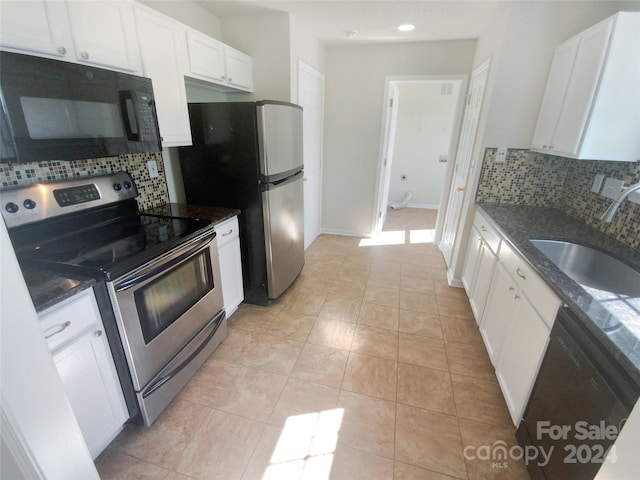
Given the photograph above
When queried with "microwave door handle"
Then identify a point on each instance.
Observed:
(132, 282)
(129, 116)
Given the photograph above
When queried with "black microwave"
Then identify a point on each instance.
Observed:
(54, 110)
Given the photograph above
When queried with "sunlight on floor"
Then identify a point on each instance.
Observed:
(398, 237)
(306, 446)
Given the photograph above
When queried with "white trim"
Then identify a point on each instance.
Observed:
(427, 206)
(346, 233)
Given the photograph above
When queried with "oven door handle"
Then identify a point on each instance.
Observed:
(157, 383)
(132, 282)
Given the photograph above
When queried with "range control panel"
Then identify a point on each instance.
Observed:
(47, 200)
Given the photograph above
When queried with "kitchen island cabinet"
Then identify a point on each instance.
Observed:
(100, 33)
(75, 335)
(590, 105)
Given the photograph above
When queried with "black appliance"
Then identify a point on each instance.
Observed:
(248, 156)
(579, 402)
(54, 110)
(158, 286)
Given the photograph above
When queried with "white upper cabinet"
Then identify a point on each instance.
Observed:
(206, 57)
(104, 34)
(217, 64)
(100, 33)
(239, 69)
(590, 105)
(162, 48)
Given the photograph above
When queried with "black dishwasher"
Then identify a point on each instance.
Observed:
(580, 400)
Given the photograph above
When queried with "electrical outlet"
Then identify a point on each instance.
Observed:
(443, 158)
(612, 188)
(501, 154)
(152, 166)
(403, 178)
(597, 183)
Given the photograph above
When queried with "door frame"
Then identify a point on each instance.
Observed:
(308, 69)
(387, 139)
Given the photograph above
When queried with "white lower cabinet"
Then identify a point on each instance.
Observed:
(479, 263)
(75, 334)
(515, 325)
(230, 264)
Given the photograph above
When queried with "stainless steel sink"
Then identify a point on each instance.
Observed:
(590, 267)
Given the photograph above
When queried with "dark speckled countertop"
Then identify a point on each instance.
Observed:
(214, 215)
(48, 288)
(618, 332)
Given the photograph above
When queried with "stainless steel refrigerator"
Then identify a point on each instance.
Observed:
(248, 155)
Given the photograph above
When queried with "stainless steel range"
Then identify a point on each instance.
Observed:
(158, 277)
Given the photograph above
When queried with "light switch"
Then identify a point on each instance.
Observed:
(152, 166)
(612, 187)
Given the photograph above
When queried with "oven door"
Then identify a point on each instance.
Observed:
(162, 306)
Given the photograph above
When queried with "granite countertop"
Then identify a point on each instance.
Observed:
(617, 326)
(214, 215)
(48, 288)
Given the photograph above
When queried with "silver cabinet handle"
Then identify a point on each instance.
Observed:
(62, 50)
(228, 233)
(483, 228)
(517, 297)
(511, 289)
(85, 55)
(56, 329)
(520, 274)
(98, 333)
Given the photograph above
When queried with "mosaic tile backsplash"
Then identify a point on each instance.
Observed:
(152, 192)
(530, 178)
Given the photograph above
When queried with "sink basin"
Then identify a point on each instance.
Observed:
(590, 267)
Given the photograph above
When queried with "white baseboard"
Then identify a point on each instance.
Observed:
(453, 282)
(346, 233)
(426, 206)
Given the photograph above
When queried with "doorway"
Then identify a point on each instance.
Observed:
(420, 131)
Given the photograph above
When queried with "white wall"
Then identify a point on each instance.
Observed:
(353, 117)
(423, 133)
(267, 39)
(305, 47)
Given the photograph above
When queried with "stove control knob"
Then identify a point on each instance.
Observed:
(29, 204)
(127, 185)
(117, 187)
(11, 207)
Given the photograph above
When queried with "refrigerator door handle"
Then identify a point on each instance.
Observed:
(283, 179)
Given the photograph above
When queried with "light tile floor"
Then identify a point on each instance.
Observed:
(369, 367)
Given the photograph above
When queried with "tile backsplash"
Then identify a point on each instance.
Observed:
(152, 192)
(530, 178)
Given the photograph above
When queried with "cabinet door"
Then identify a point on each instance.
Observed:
(486, 264)
(206, 57)
(581, 90)
(498, 313)
(554, 94)
(38, 26)
(231, 273)
(471, 261)
(104, 34)
(162, 50)
(90, 380)
(239, 67)
(520, 359)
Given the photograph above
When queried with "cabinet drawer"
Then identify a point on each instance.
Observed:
(68, 319)
(534, 288)
(488, 232)
(227, 231)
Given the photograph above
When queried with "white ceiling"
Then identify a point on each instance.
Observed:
(375, 21)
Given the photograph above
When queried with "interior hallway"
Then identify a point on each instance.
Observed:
(369, 367)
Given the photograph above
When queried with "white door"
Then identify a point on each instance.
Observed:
(311, 98)
(463, 159)
(389, 143)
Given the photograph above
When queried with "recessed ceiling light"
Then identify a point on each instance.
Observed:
(406, 27)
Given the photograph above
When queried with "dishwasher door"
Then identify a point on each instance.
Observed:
(579, 403)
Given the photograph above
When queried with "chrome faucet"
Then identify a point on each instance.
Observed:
(610, 212)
